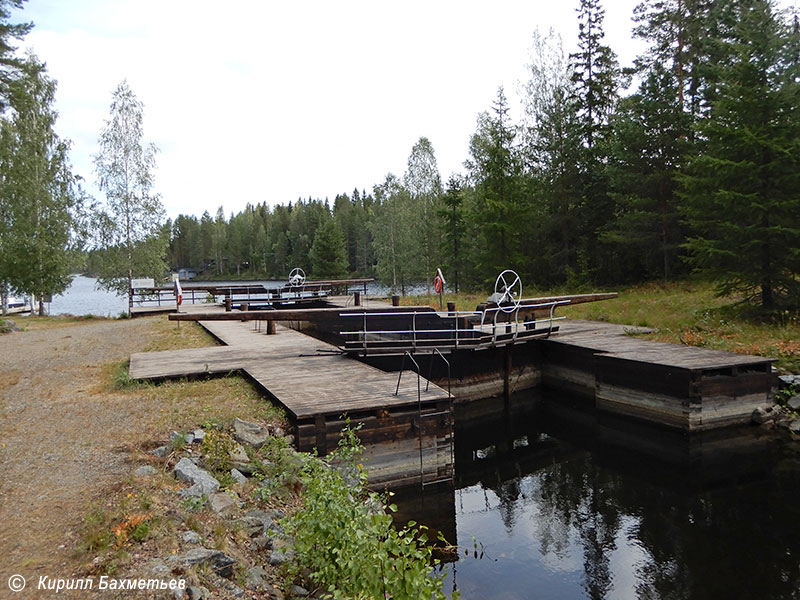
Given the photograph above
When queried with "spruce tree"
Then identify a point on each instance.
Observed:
(328, 252)
(742, 193)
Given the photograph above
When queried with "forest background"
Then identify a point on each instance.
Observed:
(687, 162)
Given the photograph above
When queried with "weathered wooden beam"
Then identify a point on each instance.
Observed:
(308, 314)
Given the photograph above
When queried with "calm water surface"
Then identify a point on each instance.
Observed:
(564, 503)
(83, 297)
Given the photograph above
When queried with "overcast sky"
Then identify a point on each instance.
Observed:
(253, 101)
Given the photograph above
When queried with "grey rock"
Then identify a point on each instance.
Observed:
(161, 451)
(262, 542)
(794, 402)
(296, 590)
(789, 380)
(198, 592)
(278, 557)
(250, 433)
(199, 435)
(158, 568)
(238, 476)
(176, 437)
(764, 414)
(256, 578)
(246, 468)
(251, 525)
(191, 537)
(217, 561)
(223, 504)
(267, 519)
(794, 426)
(145, 471)
(202, 481)
(238, 454)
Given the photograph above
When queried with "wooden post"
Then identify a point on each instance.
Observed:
(451, 309)
(356, 298)
(227, 304)
(270, 327)
(395, 300)
(245, 306)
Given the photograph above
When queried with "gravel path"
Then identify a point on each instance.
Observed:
(62, 435)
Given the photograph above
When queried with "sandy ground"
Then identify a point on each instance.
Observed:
(62, 438)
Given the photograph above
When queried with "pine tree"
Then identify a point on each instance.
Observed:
(742, 193)
(496, 169)
(647, 152)
(553, 153)
(595, 74)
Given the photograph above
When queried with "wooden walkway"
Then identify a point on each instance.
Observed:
(615, 341)
(306, 376)
(682, 386)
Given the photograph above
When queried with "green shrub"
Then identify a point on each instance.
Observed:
(352, 550)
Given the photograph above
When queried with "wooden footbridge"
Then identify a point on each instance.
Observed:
(407, 431)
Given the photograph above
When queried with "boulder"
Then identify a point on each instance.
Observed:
(298, 591)
(794, 403)
(238, 454)
(191, 537)
(202, 481)
(217, 561)
(145, 471)
(161, 451)
(765, 414)
(256, 578)
(249, 433)
(198, 592)
(238, 476)
(223, 505)
(794, 427)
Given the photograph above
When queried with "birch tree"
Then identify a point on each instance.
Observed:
(133, 240)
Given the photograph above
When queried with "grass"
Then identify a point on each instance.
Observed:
(686, 312)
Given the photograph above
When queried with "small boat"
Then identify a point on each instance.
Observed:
(18, 304)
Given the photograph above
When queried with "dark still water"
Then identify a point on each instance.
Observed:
(564, 503)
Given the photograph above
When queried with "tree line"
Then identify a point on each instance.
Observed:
(47, 221)
(687, 161)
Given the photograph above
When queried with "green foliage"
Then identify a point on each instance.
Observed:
(40, 203)
(742, 193)
(352, 550)
(328, 253)
(216, 446)
(130, 233)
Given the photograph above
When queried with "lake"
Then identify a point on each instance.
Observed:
(83, 297)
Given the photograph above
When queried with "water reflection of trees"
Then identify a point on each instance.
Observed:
(733, 540)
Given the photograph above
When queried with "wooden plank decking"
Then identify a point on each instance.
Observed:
(289, 367)
(614, 341)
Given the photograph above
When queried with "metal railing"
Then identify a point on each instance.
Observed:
(480, 328)
(447, 414)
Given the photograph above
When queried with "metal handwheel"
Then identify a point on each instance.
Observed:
(297, 277)
(510, 294)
